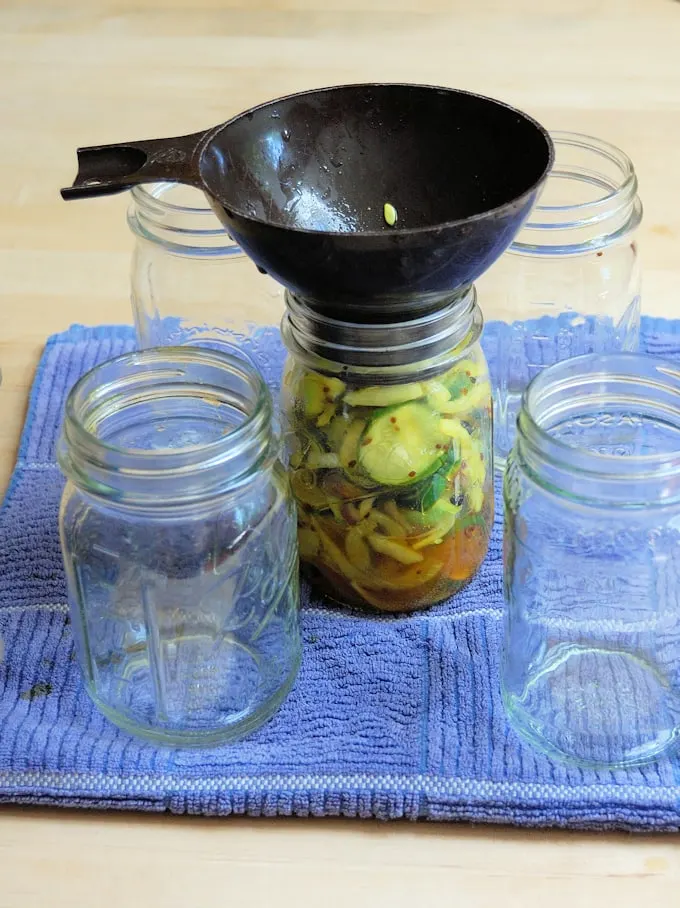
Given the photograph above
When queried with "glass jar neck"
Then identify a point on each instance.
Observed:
(603, 429)
(429, 341)
(178, 218)
(167, 426)
(589, 200)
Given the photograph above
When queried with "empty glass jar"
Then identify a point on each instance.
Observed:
(591, 662)
(389, 435)
(179, 540)
(191, 284)
(570, 283)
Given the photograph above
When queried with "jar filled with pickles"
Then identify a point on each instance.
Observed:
(389, 438)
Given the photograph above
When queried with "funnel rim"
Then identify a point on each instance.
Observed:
(395, 233)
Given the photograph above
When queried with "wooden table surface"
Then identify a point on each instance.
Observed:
(95, 71)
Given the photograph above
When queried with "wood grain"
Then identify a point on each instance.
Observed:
(78, 73)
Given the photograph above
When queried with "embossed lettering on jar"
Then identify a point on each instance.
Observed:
(179, 541)
(591, 661)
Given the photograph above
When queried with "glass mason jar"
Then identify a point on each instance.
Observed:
(389, 439)
(570, 283)
(191, 284)
(591, 662)
(179, 541)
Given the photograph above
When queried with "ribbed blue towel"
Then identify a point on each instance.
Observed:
(390, 717)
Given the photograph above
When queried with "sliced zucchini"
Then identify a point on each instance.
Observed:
(365, 507)
(475, 471)
(391, 508)
(322, 460)
(306, 491)
(462, 441)
(326, 416)
(472, 466)
(403, 445)
(467, 367)
(313, 449)
(437, 394)
(336, 509)
(356, 550)
(443, 516)
(319, 391)
(475, 499)
(338, 486)
(477, 395)
(459, 386)
(384, 396)
(427, 492)
(334, 554)
(396, 550)
(349, 446)
(388, 524)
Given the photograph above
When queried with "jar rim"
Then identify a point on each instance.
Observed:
(578, 227)
(183, 230)
(644, 374)
(217, 465)
(147, 193)
(602, 148)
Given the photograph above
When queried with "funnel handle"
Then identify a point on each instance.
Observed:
(107, 169)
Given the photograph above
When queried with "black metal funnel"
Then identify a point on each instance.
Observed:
(301, 184)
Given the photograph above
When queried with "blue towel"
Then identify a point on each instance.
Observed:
(390, 717)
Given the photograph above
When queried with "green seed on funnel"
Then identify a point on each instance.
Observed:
(390, 214)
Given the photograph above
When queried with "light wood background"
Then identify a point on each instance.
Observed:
(95, 71)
